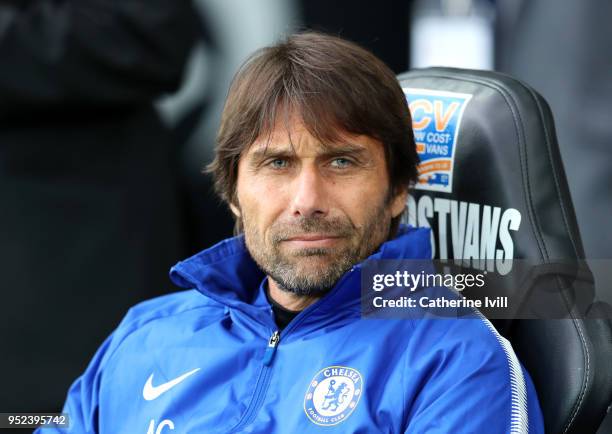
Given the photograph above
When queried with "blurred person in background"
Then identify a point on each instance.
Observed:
(563, 48)
(89, 218)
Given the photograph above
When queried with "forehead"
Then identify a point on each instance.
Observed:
(293, 136)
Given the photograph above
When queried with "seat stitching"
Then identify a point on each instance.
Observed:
(578, 403)
(555, 176)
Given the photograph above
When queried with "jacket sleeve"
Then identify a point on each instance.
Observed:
(467, 379)
(93, 52)
(82, 400)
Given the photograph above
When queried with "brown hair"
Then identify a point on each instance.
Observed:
(334, 85)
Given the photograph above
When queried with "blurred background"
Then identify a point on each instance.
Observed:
(108, 113)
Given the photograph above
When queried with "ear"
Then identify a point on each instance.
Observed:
(398, 203)
(235, 210)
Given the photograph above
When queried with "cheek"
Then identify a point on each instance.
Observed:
(260, 203)
(358, 199)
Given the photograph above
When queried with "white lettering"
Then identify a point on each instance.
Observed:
(442, 208)
(488, 239)
(377, 282)
(472, 233)
(164, 423)
(510, 221)
(425, 212)
(458, 212)
(442, 138)
(411, 211)
(475, 230)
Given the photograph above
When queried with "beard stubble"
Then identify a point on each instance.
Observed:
(314, 271)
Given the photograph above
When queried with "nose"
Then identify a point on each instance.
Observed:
(309, 198)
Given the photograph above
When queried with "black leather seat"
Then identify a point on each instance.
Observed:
(492, 185)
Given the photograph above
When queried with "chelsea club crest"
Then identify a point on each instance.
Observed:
(333, 394)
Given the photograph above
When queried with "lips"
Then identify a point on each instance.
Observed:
(312, 237)
(312, 240)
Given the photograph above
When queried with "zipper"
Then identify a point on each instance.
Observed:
(262, 384)
(271, 350)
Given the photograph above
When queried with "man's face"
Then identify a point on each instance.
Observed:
(311, 212)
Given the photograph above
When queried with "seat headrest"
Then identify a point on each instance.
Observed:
(491, 178)
(492, 184)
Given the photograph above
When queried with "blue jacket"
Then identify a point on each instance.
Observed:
(208, 360)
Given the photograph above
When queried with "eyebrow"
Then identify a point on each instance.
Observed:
(352, 149)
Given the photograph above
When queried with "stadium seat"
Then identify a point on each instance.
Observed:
(492, 186)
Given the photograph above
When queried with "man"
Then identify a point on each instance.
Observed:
(315, 156)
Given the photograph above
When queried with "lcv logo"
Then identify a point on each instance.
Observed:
(436, 122)
(166, 423)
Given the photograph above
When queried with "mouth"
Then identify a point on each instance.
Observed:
(312, 241)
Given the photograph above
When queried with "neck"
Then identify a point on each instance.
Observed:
(287, 299)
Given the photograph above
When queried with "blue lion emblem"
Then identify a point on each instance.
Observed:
(335, 396)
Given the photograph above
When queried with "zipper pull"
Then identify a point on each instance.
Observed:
(271, 350)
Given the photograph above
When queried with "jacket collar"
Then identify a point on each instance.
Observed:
(226, 272)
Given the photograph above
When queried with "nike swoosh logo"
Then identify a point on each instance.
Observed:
(151, 392)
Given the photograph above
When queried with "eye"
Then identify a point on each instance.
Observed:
(341, 163)
(278, 163)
